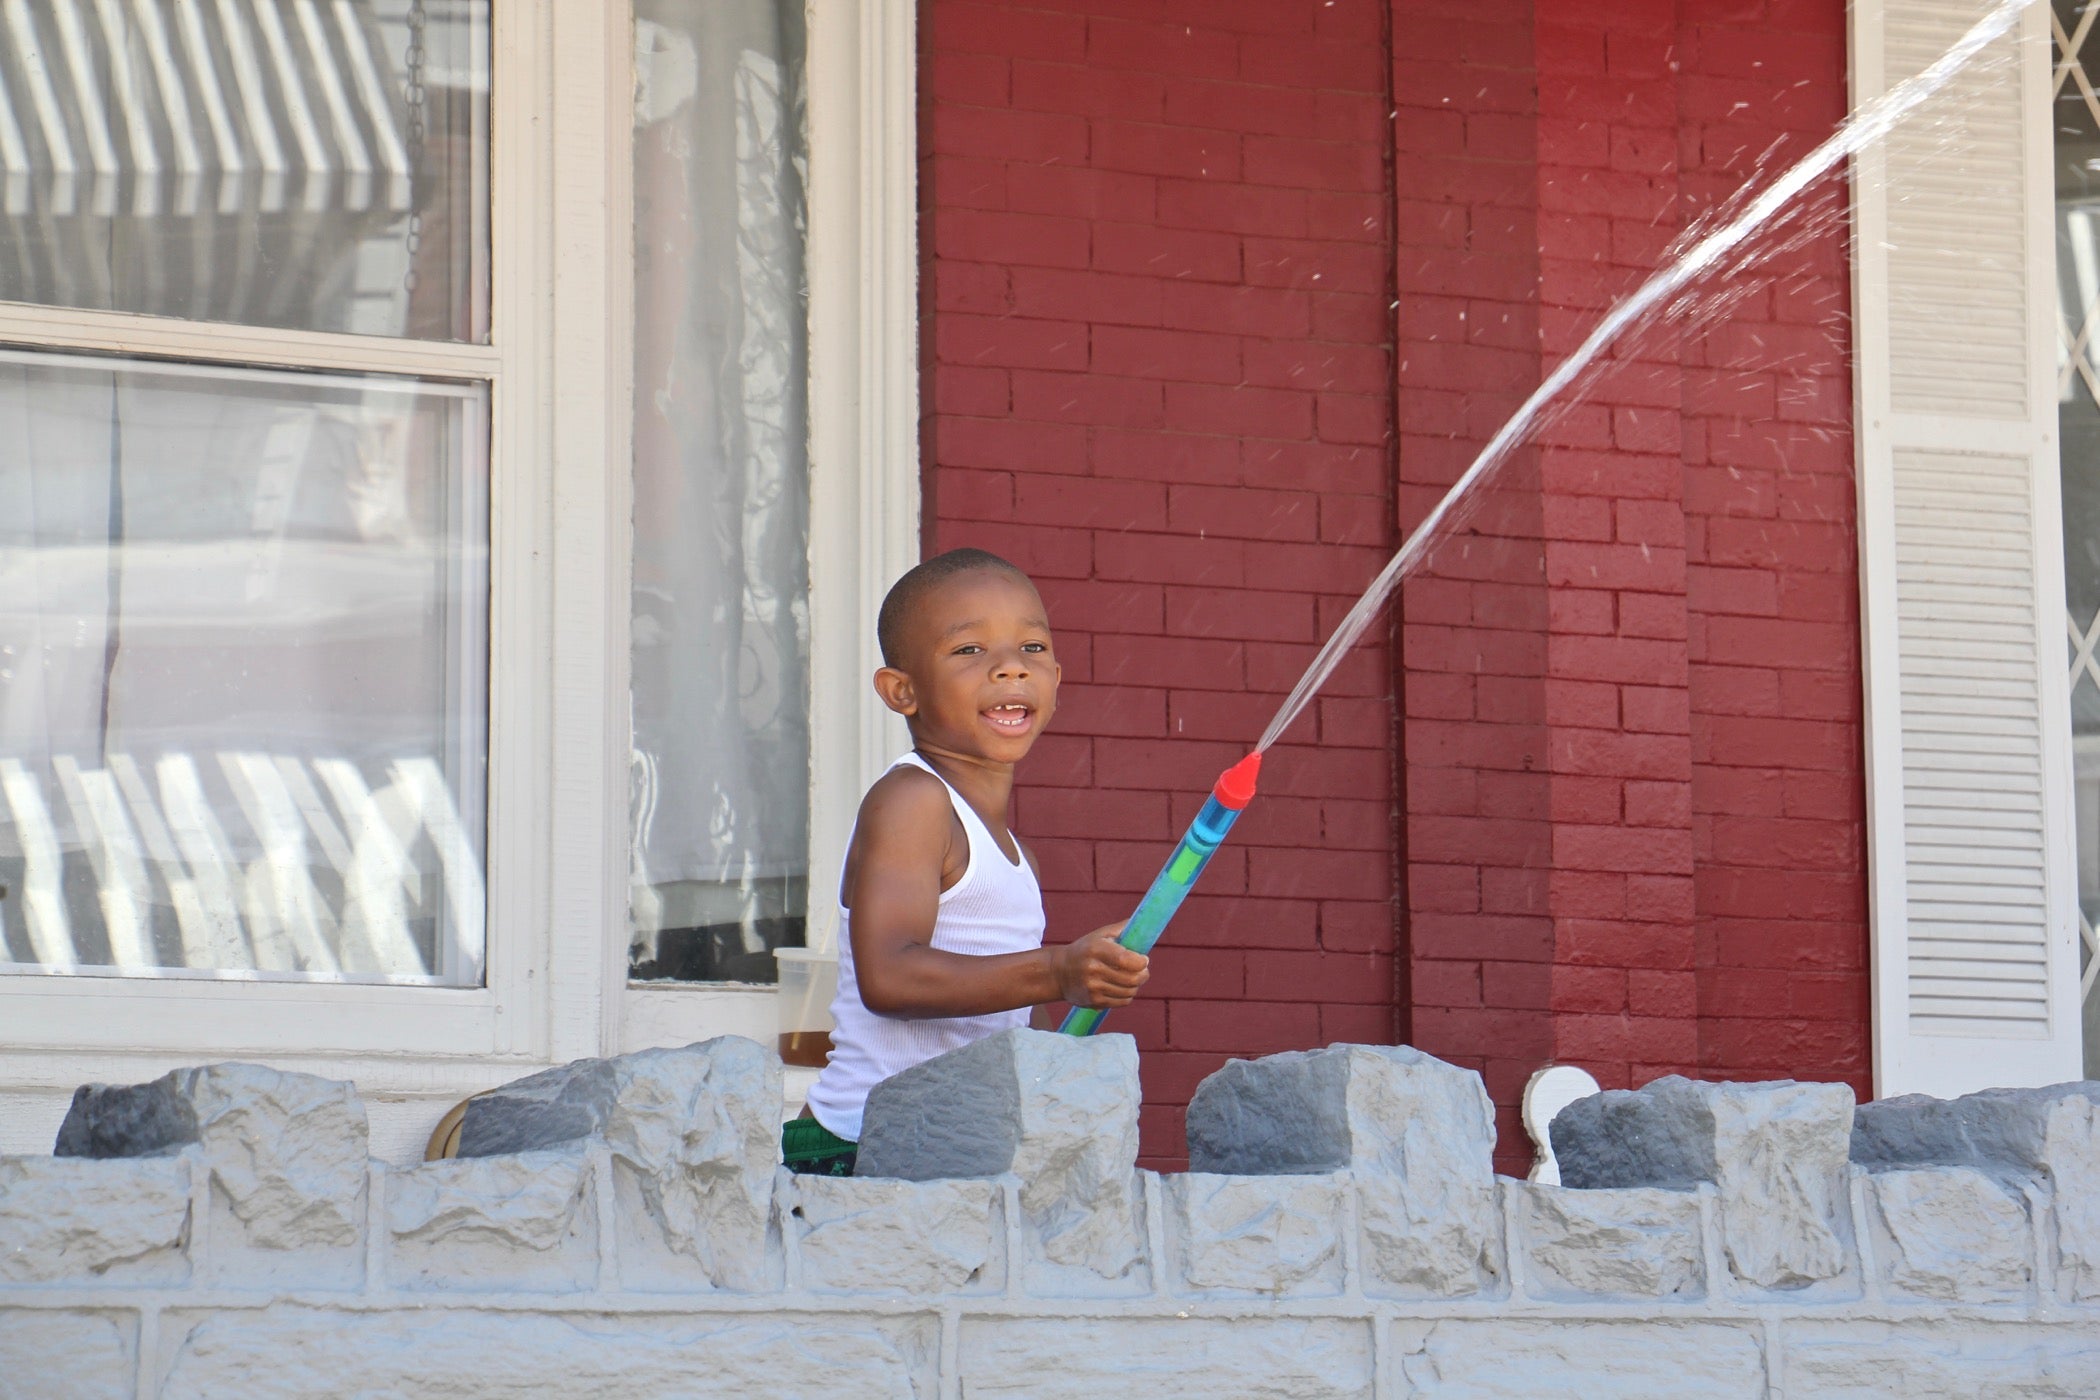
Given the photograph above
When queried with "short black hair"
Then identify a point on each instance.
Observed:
(906, 593)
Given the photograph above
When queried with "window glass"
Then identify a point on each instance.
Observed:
(243, 672)
(721, 490)
(309, 164)
(2076, 115)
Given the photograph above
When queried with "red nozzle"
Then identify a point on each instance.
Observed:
(1235, 786)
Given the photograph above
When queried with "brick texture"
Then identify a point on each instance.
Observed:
(1158, 362)
(1778, 788)
(1217, 300)
(1476, 650)
(1632, 737)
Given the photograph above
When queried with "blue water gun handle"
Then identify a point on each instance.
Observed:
(1169, 888)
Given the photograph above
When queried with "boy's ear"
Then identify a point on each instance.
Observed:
(896, 690)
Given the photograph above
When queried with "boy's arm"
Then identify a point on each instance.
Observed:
(893, 887)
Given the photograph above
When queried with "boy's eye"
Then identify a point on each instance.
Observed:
(1034, 646)
(968, 649)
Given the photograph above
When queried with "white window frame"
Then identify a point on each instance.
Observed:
(864, 477)
(560, 561)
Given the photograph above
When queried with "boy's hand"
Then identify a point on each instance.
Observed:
(1097, 971)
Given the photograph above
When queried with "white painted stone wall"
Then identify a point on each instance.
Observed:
(666, 1255)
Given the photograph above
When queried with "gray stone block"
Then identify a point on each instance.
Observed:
(1059, 1112)
(1273, 1236)
(1941, 1359)
(876, 1235)
(1641, 1242)
(465, 1354)
(2003, 1133)
(1662, 1135)
(1950, 1233)
(1259, 1358)
(1279, 1115)
(286, 1153)
(69, 1220)
(2071, 1154)
(287, 1150)
(1777, 1152)
(2049, 1135)
(695, 1137)
(76, 1355)
(519, 1221)
(549, 1109)
(1418, 1134)
(126, 1120)
(1373, 1107)
(1489, 1359)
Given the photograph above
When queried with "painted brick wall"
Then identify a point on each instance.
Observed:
(1632, 773)
(1157, 283)
(1478, 828)
(1194, 353)
(1610, 200)
(1778, 790)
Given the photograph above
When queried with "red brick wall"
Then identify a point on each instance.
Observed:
(1778, 791)
(1621, 753)
(1633, 781)
(1157, 260)
(1478, 830)
(1195, 352)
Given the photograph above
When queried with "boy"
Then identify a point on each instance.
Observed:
(941, 918)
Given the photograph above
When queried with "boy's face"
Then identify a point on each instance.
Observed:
(979, 676)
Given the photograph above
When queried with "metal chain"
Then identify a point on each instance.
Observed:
(417, 94)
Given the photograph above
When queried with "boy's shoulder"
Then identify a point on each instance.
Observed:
(908, 796)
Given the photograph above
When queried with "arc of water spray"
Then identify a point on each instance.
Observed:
(1874, 120)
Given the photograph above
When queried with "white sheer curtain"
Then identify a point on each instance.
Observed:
(721, 622)
(243, 689)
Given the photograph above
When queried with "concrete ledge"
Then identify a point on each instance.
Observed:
(67, 1220)
(2049, 1138)
(1259, 1236)
(298, 1352)
(1056, 1112)
(857, 1235)
(1416, 1134)
(528, 1219)
(1637, 1243)
(1778, 1154)
(665, 1252)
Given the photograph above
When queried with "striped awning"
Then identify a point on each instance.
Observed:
(199, 107)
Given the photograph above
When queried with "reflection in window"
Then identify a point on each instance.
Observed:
(721, 485)
(243, 672)
(2076, 115)
(308, 164)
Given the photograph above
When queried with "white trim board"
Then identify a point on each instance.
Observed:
(1972, 878)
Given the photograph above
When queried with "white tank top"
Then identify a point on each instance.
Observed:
(996, 907)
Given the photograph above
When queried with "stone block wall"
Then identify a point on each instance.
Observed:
(1343, 1234)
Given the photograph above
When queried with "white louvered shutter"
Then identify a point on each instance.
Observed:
(1961, 561)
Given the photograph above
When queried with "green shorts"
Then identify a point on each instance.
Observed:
(811, 1149)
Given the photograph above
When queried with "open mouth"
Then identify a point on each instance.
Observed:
(1012, 718)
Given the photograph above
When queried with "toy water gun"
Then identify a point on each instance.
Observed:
(1228, 798)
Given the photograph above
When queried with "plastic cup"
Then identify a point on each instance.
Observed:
(808, 981)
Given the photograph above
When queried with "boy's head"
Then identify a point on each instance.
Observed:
(967, 656)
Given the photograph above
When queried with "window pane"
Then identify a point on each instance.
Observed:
(2077, 131)
(312, 164)
(721, 484)
(243, 672)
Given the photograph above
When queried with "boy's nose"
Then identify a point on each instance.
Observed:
(1012, 664)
